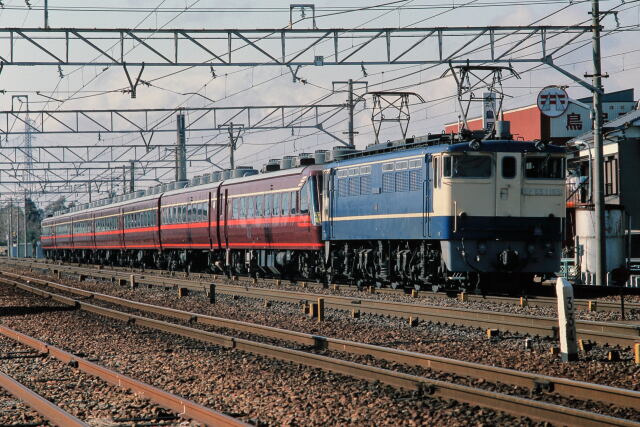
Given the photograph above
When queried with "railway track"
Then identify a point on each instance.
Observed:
(532, 300)
(517, 406)
(611, 333)
(52, 413)
(75, 372)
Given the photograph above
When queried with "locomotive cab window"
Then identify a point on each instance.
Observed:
(467, 166)
(509, 168)
(544, 167)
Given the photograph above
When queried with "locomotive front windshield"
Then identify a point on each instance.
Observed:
(546, 167)
(467, 166)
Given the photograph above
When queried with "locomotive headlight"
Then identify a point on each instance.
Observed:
(537, 231)
(482, 248)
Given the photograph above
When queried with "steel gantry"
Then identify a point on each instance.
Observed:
(280, 46)
(146, 123)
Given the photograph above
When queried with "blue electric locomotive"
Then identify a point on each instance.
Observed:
(448, 213)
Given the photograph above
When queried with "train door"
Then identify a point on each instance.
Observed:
(508, 184)
(209, 220)
(427, 194)
(225, 217)
(121, 228)
(158, 229)
(328, 202)
(190, 219)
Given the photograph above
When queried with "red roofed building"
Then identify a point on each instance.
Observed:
(528, 123)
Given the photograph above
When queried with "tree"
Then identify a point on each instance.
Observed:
(55, 206)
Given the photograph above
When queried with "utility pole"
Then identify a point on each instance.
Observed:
(181, 150)
(351, 106)
(46, 14)
(17, 229)
(24, 228)
(233, 140)
(598, 184)
(132, 173)
(10, 239)
(124, 179)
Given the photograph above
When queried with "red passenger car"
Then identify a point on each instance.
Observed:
(266, 223)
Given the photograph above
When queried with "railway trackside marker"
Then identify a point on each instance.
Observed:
(414, 293)
(636, 352)
(320, 309)
(566, 320)
(492, 333)
(313, 311)
(211, 293)
(132, 281)
(593, 306)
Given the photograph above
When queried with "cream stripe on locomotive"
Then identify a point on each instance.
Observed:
(380, 216)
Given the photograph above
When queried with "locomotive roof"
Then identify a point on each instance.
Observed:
(204, 187)
(485, 146)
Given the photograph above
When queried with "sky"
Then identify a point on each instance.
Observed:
(93, 87)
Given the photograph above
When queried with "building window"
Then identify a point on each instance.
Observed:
(611, 176)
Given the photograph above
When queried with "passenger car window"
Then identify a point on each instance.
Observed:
(259, 206)
(304, 196)
(509, 167)
(294, 202)
(276, 204)
(235, 208)
(268, 199)
(285, 203)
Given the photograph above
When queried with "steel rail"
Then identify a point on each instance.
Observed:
(610, 333)
(185, 407)
(541, 301)
(54, 414)
(534, 382)
(533, 409)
